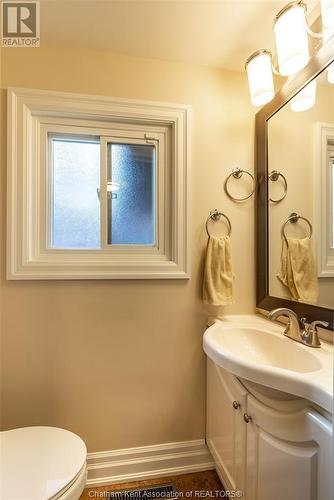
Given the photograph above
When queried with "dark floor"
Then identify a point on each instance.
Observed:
(196, 485)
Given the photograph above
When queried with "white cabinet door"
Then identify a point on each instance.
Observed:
(225, 433)
(288, 454)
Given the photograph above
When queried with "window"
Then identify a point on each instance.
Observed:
(98, 188)
(75, 178)
(131, 198)
(324, 198)
(77, 220)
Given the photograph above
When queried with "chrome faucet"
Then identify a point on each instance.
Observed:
(296, 328)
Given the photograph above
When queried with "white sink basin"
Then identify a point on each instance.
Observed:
(263, 347)
(255, 349)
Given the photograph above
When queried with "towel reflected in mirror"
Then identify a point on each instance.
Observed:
(298, 270)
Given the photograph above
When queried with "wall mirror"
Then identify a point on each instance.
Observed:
(295, 197)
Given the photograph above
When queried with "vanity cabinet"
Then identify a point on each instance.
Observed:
(226, 432)
(267, 452)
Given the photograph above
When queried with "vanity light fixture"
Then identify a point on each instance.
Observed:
(291, 36)
(327, 14)
(260, 77)
(305, 99)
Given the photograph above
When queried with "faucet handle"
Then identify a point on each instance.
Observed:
(310, 336)
(303, 322)
(315, 324)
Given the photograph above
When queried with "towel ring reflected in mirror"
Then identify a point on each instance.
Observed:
(293, 219)
(237, 173)
(274, 177)
(215, 216)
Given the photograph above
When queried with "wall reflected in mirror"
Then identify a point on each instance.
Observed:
(301, 196)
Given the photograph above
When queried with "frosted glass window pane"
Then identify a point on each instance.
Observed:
(75, 206)
(131, 216)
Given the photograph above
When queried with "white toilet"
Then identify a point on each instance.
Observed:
(42, 463)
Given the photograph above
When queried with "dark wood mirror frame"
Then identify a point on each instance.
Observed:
(264, 300)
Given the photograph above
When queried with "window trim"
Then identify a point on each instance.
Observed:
(324, 133)
(32, 112)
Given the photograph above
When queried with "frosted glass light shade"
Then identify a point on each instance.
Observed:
(327, 14)
(330, 73)
(260, 78)
(291, 39)
(305, 99)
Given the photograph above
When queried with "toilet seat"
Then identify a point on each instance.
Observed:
(42, 463)
(75, 488)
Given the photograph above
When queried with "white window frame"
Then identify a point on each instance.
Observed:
(34, 116)
(323, 199)
(160, 137)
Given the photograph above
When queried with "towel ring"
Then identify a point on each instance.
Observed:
(215, 216)
(293, 219)
(274, 176)
(237, 174)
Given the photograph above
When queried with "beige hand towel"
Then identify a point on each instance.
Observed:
(298, 269)
(218, 277)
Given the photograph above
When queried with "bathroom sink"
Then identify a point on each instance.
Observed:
(262, 347)
(256, 349)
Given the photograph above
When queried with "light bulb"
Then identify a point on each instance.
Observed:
(291, 38)
(305, 99)
(260, 77)
(327, 14)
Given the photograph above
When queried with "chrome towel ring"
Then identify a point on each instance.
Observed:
(215, 216)
(237, 174)
(293, 219)
(274, 177)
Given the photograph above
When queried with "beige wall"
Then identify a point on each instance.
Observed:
(292, 151)
(121, 362)
(1, 229)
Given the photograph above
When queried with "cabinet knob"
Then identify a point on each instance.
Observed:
(247, 418)
(236, 405)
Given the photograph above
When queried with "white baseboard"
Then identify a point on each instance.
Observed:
(132, 464)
